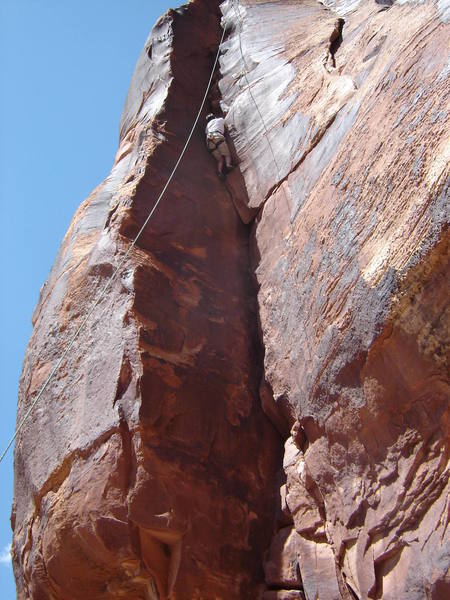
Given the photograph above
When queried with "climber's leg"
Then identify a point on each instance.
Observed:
(226, 154)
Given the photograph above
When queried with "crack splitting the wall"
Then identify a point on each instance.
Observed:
(335, 41)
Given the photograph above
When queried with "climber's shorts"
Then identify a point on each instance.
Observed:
(218, 146)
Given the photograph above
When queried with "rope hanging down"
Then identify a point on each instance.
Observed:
(245, 71)
(121, 263)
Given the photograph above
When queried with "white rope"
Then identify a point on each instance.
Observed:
(245, 72)
(120, 265)
(266, 132)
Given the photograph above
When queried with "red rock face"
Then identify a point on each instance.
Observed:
(153, 466)
(147, 470)
(346, 165)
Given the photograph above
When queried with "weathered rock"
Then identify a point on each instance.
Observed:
(149, 469)
(318, 568)
(281, 566)
(238, 193)
(347, 159)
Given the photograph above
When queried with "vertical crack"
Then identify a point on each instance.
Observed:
(334, 45)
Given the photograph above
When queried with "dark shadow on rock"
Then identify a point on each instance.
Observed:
(235, 185)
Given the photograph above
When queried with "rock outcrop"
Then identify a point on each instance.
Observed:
(259, 406)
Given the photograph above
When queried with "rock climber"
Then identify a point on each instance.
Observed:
(217, 144)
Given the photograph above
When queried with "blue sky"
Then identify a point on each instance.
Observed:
(65, 69)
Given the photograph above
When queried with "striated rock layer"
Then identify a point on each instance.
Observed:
(351, 259)
(148, 468)
(304, 303)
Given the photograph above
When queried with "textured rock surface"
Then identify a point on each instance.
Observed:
(148, 470)
(153, 468)
(351, 258)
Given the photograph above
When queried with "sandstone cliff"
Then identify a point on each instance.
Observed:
(259, 407)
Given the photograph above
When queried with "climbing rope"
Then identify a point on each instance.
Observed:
(245, 74)
(121, 263)
(266, 132)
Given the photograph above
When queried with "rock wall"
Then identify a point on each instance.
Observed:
(147, 470)
(346, 163)
(302, 303)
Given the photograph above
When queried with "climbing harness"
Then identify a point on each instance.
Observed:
(214, 141)
(121, 263)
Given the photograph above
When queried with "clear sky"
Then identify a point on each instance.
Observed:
(65, 69)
